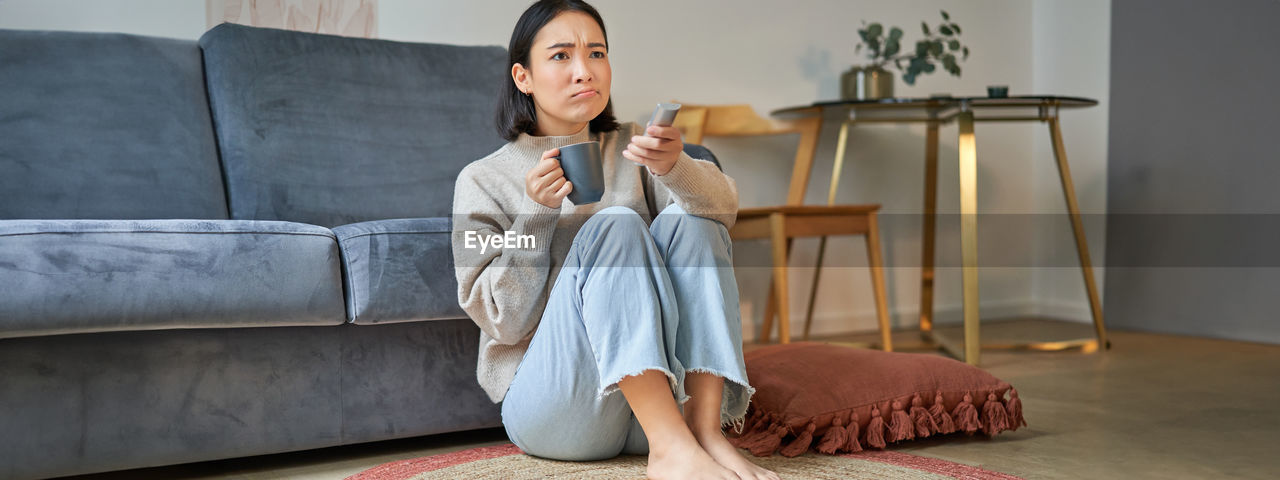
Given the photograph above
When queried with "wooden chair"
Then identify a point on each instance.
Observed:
(784, 223)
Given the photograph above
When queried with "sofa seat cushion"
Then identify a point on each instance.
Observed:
(399, 270)
(74, 276)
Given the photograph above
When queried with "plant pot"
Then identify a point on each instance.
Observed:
(866, 83)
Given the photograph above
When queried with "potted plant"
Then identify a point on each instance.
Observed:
(940, 46)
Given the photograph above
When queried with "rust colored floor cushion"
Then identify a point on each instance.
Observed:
(829, 398)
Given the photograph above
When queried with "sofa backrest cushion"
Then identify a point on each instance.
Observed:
(332, 130)
(105, 126)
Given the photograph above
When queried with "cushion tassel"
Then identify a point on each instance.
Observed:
(768, 444)
(852, 444)
(1014, 407)
(925, 425)
(966, 416)
(757, 429)
(834, 438)
(940, 416)
(900, 425)
(801, 444)
(875, 429)
(994, 418)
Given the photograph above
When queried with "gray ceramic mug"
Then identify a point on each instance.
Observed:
(582, 166)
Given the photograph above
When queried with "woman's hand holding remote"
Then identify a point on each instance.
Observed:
(658, 149)
(545, 182)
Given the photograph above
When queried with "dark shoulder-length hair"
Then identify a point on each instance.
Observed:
(516, 112)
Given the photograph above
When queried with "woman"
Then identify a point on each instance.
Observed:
(608, 297)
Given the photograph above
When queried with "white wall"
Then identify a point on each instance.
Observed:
(161, 18)
(773, 55)
(1072, 43)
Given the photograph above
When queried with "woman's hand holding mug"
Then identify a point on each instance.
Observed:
(658, 149)
(545, 182)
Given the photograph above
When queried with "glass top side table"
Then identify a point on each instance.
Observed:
(966, 111)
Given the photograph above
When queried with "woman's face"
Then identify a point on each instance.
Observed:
(568, 75)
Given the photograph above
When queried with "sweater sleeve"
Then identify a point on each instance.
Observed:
(699, 187)
(500, 288)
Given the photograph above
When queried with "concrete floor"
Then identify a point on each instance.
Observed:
(1154, 406)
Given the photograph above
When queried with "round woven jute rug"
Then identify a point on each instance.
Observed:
(508, 462)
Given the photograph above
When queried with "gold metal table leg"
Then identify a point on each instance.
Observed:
(842, 145)
(927, 233)
(969, 235)
(967, 144)
(1082, 243)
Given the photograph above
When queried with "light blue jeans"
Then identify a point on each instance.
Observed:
(629, 298)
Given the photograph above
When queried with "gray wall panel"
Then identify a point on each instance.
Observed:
(1192, 131)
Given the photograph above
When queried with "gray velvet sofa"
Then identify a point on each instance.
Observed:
(232, 247)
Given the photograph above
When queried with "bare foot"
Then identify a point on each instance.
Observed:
(684, 460)
(726, 454)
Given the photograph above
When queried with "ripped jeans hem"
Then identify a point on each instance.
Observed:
(733, 400)
(676, 391)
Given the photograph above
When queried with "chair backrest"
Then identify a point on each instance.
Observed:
(699, 121)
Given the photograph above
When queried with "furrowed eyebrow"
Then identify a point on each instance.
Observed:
(571, 45)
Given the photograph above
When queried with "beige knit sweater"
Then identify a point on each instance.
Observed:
(504, 290)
